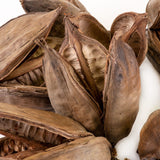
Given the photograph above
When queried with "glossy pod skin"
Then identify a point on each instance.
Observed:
(149, 143)
(84, 148)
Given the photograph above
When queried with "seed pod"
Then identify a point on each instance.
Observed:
(133, 25)
(89, 26)
(17, 40)
(10, 146)
(121, 91)
(63, 85)
(37, 125)
(87, 56)
(153, 9)
(70, 8)
(85, 148)
(149, 143)
(25, 96)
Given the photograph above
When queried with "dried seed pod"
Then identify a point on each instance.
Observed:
(17, 40)
(25, 96)
(149, 138)
(121, 91)
(70, 8)
(153, 11)
(18, 148)
(154, 48)
(63, 85)
(89, 26)
(37, 125)
(84, 148)
(87, 56)
(133, 25)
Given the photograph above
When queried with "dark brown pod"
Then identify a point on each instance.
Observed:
(149, 143)
(89, 26)
(121, 91)
(89, 148)
(133, 25)
(25, 96)
(18, 40)
(87, 56)
(66, 92)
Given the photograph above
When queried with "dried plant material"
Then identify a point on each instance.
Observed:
(89, 148)
(149, 138)
(28, 73)
(153, 11)
(133, 25)
(121, 91)
(18, 40)
(89, 26)
(88, 57)
(69, 8)
(154, 48)
(37, 125)
(25, 96)
(67, 95)
(18, 148)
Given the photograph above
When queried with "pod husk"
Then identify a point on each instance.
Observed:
(85, 148)
(121, 91)
(63, 85)
(18, 40)
(133, 26)
(149, 143)
(88, 57)
(89, 26)
(25, 96)
(37, 125)
(70, 8)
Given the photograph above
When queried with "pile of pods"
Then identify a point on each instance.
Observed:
(69, 88)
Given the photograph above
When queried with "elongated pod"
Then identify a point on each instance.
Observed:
(121, 91)
(67, 95)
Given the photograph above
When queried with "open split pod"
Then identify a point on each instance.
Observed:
(67, 93)
(34, 130)
(133, 26)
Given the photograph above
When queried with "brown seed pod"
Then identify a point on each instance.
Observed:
(69, 7)
(133, 25)
(18, 40)
(87, 56)
(89, 26)
(149, 143)
(67, 95)
(121, 91)
(37, 125)
(25, 96)
(153, 11)
(84, 148)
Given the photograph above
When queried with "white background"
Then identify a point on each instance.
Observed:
(105, 11)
